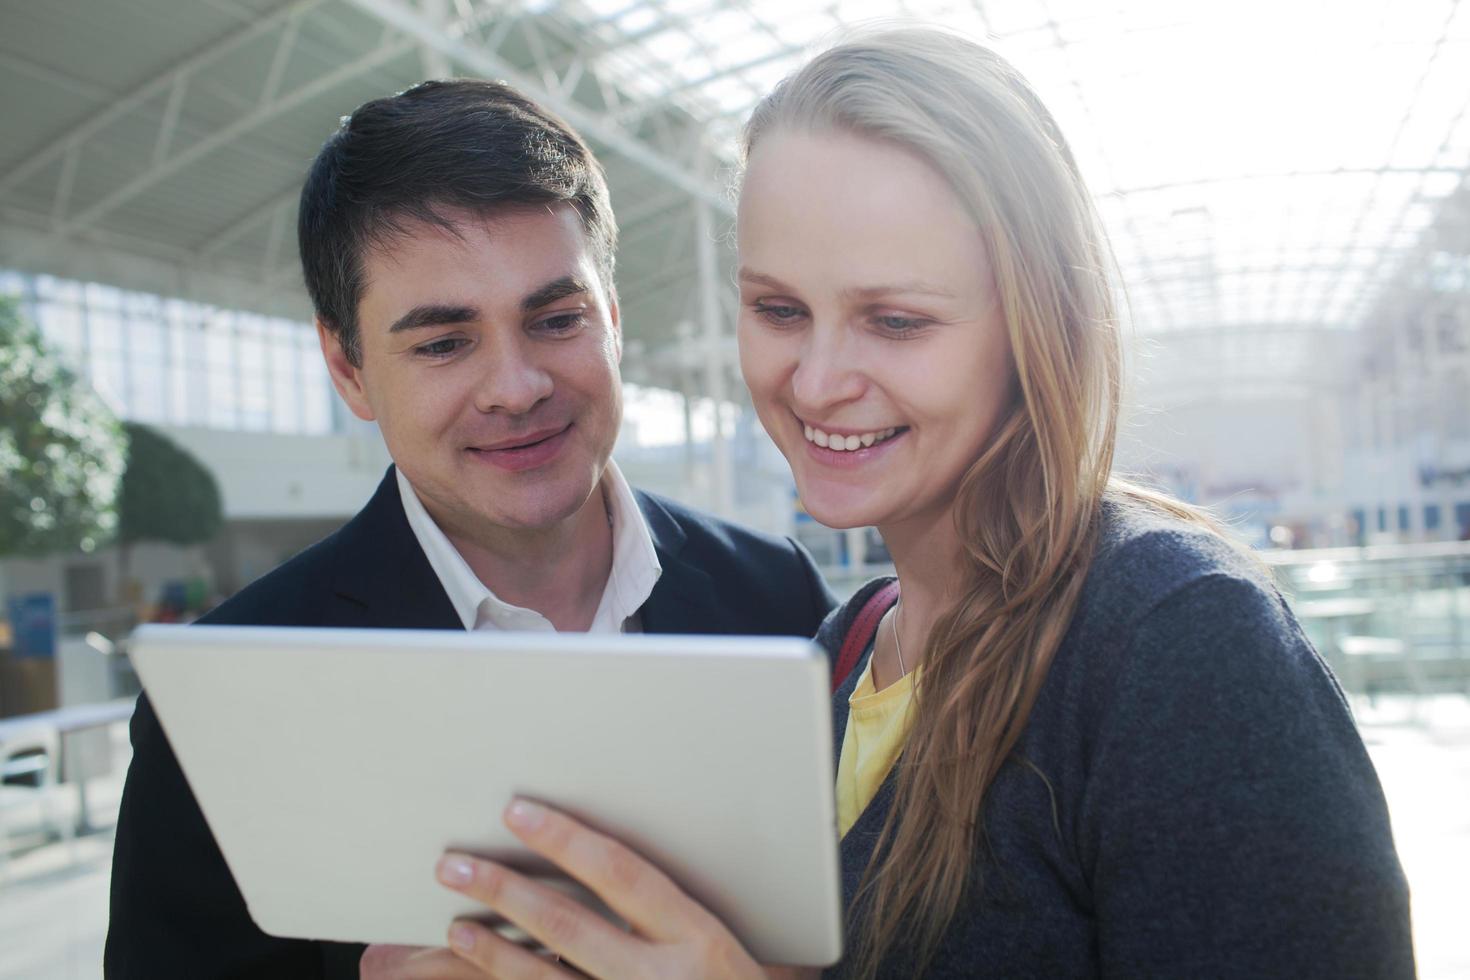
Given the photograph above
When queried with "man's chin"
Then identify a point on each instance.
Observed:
(532, 511)
(483, 504)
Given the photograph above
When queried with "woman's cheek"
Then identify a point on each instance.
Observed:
(759, 363)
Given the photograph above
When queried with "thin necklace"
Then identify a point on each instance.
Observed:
(898, 647)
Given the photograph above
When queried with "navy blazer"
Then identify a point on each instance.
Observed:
(175, 908)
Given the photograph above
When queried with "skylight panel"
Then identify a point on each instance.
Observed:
(612, 9)
(1271, 124)
(1011, 17)
(637, 20)
(1436, 104)
(675, 9)
(674, 48)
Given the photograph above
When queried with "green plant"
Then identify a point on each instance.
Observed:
(61, 449)
(167, 494)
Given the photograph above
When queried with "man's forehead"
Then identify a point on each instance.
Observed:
(464, 228)
(519, 249)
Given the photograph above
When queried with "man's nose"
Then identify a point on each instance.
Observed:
(512, 381)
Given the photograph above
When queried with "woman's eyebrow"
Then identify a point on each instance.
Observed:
(760, 279)
(911, 287)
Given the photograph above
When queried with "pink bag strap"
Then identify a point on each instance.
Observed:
(861, 632)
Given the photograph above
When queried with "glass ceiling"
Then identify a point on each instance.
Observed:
(1256, 163)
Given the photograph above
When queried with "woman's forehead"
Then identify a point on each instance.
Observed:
(857, 213)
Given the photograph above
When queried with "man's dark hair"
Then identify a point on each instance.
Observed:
(440, 147)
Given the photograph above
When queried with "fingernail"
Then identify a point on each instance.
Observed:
(525, 815)
(455, 870)
(462, 937)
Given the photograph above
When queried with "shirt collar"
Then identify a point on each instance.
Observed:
(635, 567)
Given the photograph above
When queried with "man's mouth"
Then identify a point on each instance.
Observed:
(518, 454)
(520, 442)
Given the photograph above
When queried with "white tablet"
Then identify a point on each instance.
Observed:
(335, 767)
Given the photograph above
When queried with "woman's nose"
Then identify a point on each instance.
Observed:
(828, 371)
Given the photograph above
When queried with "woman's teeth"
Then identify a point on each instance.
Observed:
(847, 443)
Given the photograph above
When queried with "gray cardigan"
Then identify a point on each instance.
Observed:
(1207, 807)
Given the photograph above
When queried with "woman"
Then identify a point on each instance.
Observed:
(1089, 739)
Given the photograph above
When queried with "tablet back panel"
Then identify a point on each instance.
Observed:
(335, 766)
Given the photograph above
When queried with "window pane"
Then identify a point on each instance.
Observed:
(285, 390)
(250, 367)
(148, 361)
(219, 372)
(316, 387)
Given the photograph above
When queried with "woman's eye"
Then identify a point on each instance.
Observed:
(778, 313)
(440, 348)
(899, 324)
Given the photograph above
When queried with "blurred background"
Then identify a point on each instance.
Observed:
(1284, 184)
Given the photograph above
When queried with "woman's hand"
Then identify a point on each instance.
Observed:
(672, 935)
(414, 963)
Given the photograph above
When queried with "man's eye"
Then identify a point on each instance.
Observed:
(779, 314)
(439, 348)
(562, 322)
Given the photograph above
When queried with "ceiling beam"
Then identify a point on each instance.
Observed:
(223, 137)
(45, 73)
(1282, 175)
(1306, 330)
(119, 106)
(142, 265)
(589, 123)
(240, 227)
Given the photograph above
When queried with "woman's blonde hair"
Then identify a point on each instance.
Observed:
(1028, 509)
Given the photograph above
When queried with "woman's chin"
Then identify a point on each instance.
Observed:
(840, 514)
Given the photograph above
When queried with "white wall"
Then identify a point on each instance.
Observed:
(267, 475)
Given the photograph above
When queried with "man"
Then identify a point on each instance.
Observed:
(458, 244)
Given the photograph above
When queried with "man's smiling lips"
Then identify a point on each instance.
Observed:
(522, 452)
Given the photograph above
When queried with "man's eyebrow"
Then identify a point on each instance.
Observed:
(553, 291)
(434, 315)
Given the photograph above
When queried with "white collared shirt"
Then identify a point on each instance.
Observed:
(635, 566)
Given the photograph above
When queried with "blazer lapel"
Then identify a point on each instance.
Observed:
(382, 578)
(685, 599)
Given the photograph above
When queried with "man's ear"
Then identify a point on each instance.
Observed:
(615, 315)
(346, 377)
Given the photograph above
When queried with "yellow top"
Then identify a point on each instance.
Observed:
(877, 725)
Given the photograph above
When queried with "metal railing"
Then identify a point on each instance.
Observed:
(1387, 616)
(1384, 617)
